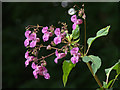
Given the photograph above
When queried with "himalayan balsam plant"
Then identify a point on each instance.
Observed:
(71, 44)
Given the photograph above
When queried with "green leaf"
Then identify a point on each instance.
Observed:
(115, 67)
(67, 67)
(76, 32)
(96, 62)
(102, 32)
(75, 41)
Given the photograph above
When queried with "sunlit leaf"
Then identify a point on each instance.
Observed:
(67, 67)
(96, 62)
(102, 32)
(115, 67)
(76, 32)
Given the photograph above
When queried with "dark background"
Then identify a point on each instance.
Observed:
(16, 16)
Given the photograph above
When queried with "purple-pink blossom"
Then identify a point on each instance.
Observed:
(57, 31)
(46, 37)
(30, 37)
(74, 51)
(44, 30)
(46, 33)
(75, 59)
(75, 54)
(59, 56)
(74, 26)
(74, 18)
(27, 33)
(75, 21)
(29, 59)
(41, 70)
(57, 40)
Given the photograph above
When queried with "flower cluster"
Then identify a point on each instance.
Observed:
(61, 36)
(59, 56)
(46, 33)
(75, 21)
(41, 70)
(32, 38)
(75, 54)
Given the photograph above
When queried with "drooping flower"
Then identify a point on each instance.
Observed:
(26, 42)
(79, 21)
(33, 66)
(44, 30)
(74, 26)
(27, 33)
(75, 59)
(33, 43)
(75, 54)
(75, 21)
(57, 32)
(74, 51)
(47, 76)
(59, 56)
(41, 70)
(74, 18)
(29, 59)
(57, 40)
(30, 37)
(46, 37)
(27, 54)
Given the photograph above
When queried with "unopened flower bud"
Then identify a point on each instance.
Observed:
(38, 40)
(48, 47)
(52, 43)
(66, 31)
(43, 63)
(84, 16)
(62, 30)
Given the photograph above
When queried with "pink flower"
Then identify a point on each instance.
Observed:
(74, 59)
(63, 34)
(44, 30)
(74, 18)
(50, 34)
(41, 70)
(26, 42)
(75, 54)
(48, 47)
(74, 26)
(57, 31)
(29, 59)
(29, 38)
(33, 43)
(33, 65)
(79, 21)
(57, 40)
(74, 51)
(47, 76)
(27, 33)
(59, 56)
(32, 36)
(27, 54)
(46, 37)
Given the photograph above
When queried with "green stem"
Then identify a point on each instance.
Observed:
(114, 80)
(95, 76)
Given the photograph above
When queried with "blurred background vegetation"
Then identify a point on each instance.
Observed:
(17, 15)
